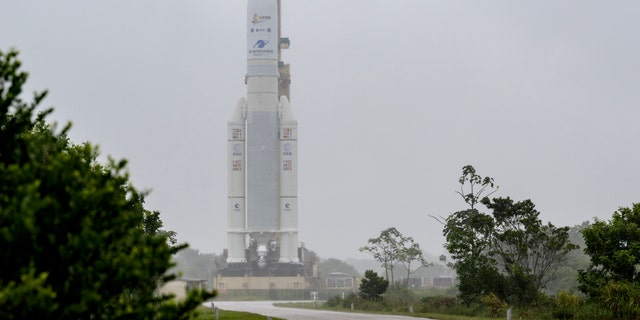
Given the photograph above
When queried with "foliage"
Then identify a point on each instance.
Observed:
(468, 239)
(567, 270)
(468, 236)
(622, 298)
(529, 251)
(613, 277)
(391, 247)
(614, 249)
(372, 286)
(409, 254)
(494, 303)
(334, 301)
(399, 296)
(75, 243)
(205, 313)
(477, 185)
(509, 253)
(438, 303)
(566, 305)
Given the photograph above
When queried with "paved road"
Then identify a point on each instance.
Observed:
(268, 309)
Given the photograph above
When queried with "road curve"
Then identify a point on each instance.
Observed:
(268, 309)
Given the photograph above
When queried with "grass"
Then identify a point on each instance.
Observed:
(205, 313)
(437, 316)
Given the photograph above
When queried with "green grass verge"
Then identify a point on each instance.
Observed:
(323, 306)
(205, 313)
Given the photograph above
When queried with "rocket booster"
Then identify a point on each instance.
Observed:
(262, 147)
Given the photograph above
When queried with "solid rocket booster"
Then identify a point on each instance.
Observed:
(262, 147)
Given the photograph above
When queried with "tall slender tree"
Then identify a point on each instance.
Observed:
(468, 239)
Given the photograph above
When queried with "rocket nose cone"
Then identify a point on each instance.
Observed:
(287, 113)
(238, 110)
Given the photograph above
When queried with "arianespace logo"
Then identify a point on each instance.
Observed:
(260, 44)
(261, 48)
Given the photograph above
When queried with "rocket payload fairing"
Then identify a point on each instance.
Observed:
(262, 154)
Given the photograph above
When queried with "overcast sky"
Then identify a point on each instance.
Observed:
(392, 99)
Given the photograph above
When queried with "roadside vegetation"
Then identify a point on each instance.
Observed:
(508, 259)
(204, 313)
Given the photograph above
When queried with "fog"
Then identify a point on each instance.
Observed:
(392, 99)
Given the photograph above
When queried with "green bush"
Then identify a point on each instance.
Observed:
(76, 241)
(432, 304)
(622, 298)
(399, 297)
(592, 311)
(334, 301)
(494, 303)
(566, 305)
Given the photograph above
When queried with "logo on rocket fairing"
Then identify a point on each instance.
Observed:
(287, 149)
(259, 19)
(237, 150)
(260, 44)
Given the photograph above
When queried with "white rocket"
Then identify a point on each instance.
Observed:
(262, 154)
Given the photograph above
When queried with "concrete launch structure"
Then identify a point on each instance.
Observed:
(262, 158)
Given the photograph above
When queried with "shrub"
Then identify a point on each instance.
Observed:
(334, 301)
(432, 304)
(399, 296)
(566, 305)
(622, 298)
(493, 303)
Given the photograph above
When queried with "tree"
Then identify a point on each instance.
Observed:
(566, 278)
(468, 239)
(75, 243)
(393, 247)
(473, 186)
(372, 286)
(411, 253)
(614, 249)
(527, 250)
(509, 252)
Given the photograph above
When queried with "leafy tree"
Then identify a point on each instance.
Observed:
(468, 239)
(409, 254)
(473, 186)
(510, 253)
(567, 272)
(393, 247)
(528, 251)
(152, 225)
(614, 249)
(75, 242)
(372, 286)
